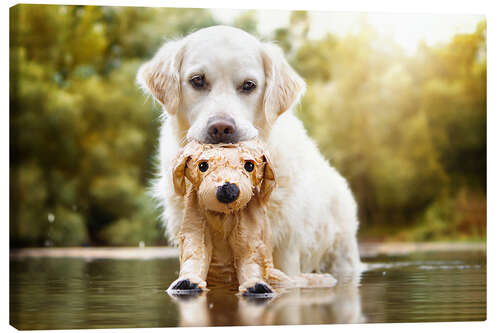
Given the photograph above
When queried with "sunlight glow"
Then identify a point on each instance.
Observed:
(406, 29)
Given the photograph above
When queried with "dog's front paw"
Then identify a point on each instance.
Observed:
(259, 289)
(186, 286)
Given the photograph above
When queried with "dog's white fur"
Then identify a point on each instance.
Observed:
(312, 210)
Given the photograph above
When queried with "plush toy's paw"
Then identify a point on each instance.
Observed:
(259, 289)
(186, 286)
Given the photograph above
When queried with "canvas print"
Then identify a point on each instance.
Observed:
(220, 167)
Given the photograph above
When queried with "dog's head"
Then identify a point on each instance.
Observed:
(226, 176)
(223, 84)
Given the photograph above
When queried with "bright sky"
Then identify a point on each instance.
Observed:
(406, 29)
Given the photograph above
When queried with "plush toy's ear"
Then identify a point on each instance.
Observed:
(268, 179)
(178, 173)
(284, 87)
(160, 77)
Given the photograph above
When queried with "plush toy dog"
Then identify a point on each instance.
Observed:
(225, 237)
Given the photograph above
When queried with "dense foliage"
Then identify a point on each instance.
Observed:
(409, 132)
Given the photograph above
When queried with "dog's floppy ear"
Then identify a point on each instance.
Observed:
(268, 179)
(160, 77)
(178, 173)
(284, 87)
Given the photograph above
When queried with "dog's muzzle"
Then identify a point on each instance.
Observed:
(227, 193)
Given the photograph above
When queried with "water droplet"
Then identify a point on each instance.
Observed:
(51, 218)
(211, 305)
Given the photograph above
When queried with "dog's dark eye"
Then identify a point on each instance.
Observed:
(203, 166)
(249, 166)
(198, 81)
(248, 86)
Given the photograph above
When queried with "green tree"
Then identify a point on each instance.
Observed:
(409, 132)
(82, 137)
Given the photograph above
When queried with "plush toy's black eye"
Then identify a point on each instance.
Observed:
(249, 166)
(198, 81)
(203, 166)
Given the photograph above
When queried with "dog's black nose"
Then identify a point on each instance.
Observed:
(227, 193)
(221, 130)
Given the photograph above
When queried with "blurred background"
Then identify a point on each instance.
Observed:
(397, 103)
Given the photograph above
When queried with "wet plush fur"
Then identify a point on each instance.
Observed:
(229, 243)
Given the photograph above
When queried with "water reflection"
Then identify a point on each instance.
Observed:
(64, 293)
(221, 307)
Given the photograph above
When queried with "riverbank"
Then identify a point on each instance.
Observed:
(366, 250)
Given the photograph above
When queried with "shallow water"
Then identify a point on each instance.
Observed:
(65, 293)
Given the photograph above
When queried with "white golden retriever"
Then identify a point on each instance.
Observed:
(221, 84)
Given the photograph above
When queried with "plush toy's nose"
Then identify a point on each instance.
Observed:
(227, 193)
